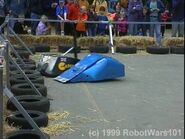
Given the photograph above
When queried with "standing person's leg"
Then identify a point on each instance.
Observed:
(152, 25)
(34, 23)
(144, 29)
(181, 30)
(94, 31)
(135, 29)
(131, 29)
(174, 29)
(11, 23)
(158, 33)
(162, 30)
(62, 28)
(151, 34)
(89, 31)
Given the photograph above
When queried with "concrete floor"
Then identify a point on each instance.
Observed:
(151, 96)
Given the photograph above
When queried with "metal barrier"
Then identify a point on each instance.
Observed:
(9, 94)
(109, 23)
(1, 93)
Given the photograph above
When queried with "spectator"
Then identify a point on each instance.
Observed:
(92, 16)
(102, 27)
(80, 27)
(54, 4)
(83, 3)
(122, 26)
(156, 7)
(117, 15)
(100, 3)
(123, 4)
(135, 10)
(15, 8)
(73, 10)
(178, 16)
(20, 27)
(2, 12)
(61, 12)
(164, 18)
(42, 28)
(146, 18)
(36, 12)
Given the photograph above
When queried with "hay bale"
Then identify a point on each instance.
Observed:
(140, 42)
(46, 39)
(173, 41)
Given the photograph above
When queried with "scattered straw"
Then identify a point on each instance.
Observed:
(58, 116)
(58, 129)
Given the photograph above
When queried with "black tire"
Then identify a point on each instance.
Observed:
(25, 134)
(32, 102)
(176, 50)
(64, 48)
(157, 50)
(26, 66)
(22, 53)
(126, 50)
(99, 49)
(32, 48)
(20, 79)
(25, 89)
(16, 119)
(26, 61)
(30, 73)
(42, 48)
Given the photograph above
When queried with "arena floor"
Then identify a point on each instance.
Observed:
(151, 96)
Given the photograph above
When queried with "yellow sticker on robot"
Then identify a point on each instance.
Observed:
(62, 66)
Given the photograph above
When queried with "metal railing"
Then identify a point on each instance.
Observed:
(109, 24)
(4, 53)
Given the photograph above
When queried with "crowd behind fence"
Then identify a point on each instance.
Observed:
(111, 29)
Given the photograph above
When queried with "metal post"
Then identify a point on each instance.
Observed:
(8, 24)
(1, 89)
(1, 102)
(7, 64)
(24, 112)
(111, 38)
(75, 41)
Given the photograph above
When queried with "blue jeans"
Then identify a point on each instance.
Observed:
(133, 29)
(178, 28)
(34, 24)
(92, 31)
(155, 28)
(11, 23)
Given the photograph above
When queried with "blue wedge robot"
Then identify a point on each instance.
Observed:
(93, 67)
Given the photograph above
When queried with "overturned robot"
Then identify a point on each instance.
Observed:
(93, 67)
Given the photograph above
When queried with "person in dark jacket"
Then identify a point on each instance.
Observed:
(53, 16)
(92, 16)
(135, 10)
(156, 7)
(178, 16)
(38, 8)
(20, 27)
(15, 8)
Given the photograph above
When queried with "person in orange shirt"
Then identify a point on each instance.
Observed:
(73, 10)
(81, 27)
